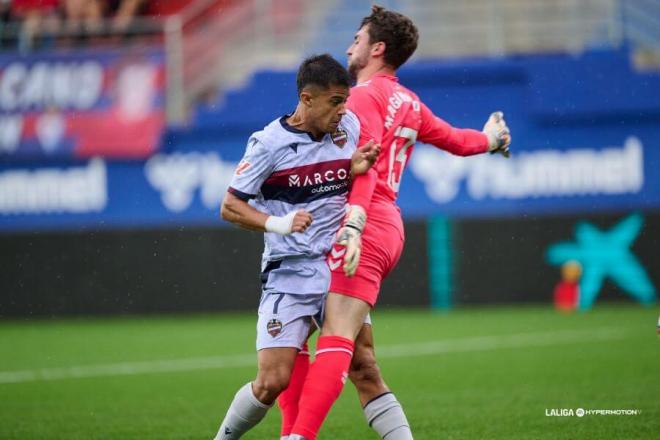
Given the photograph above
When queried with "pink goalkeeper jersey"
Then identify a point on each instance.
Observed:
(394, 116)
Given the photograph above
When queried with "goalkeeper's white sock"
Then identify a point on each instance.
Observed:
(385, 415)
(243, 414)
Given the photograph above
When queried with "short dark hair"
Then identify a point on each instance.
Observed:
(397, 31)
(323, 71)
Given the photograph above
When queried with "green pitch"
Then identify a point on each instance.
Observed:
(471, 374)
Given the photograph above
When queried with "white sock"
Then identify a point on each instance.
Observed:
(243, 414)
(385, 415)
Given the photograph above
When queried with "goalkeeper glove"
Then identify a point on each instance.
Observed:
(498, 134)
(349, 235)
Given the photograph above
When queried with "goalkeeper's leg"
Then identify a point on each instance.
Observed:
(381, 408)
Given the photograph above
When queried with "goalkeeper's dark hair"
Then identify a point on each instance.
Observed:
(397, 31)
(323, 71)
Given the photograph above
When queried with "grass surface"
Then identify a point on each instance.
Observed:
(470, 374)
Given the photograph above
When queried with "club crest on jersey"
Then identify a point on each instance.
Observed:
(274, 327)
(340, 137)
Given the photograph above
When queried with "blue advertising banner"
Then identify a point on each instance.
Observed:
(82, 104)
(568, 154)
(186, 188)
(583, 169)
(174, 189)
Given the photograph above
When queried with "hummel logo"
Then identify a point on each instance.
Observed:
(336, 253)
(334, 264)
(227, 430)
(294, 180)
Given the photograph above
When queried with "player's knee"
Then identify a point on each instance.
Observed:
(274, 386)
(364, 369)
(270, 384)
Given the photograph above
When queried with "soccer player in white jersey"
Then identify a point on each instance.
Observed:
(295, 175)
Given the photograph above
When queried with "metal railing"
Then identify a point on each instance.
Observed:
(193, 44)
(641, 20)
(456, 28)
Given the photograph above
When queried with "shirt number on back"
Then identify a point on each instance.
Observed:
(398, 158)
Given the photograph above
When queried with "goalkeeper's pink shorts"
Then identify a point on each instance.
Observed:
(382, 244)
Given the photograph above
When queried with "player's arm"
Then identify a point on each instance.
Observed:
(367, 107)
(255, 167)
(364, 157)
(350, 233)
(464, 141)
(239, 212)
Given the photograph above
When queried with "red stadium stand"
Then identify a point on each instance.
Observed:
(164, 8)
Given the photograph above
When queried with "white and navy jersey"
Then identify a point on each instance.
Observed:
(286, 169)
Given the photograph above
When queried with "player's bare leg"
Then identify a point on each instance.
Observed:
(344, 316)
(275, 366)
(253, 400)
(381, 408)
(364, 372)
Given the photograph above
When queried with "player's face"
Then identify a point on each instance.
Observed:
(327, 108)
(358, 52)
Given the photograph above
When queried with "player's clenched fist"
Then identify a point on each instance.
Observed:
(364, 157)
(301, 221)
(499, 137)
(295, 221)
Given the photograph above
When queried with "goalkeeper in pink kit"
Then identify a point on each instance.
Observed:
(371, 239)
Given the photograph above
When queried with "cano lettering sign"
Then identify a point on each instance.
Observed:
(82, 104)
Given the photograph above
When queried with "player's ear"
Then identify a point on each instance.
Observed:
(306, 98)
(378, 49)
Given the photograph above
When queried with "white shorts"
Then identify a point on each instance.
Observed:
(285, 319)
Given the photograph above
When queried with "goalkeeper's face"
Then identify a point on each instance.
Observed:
(358, 52)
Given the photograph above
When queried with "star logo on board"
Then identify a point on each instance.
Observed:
(606, 254)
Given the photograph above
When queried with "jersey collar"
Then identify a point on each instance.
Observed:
(289, 128)
(385, 75)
